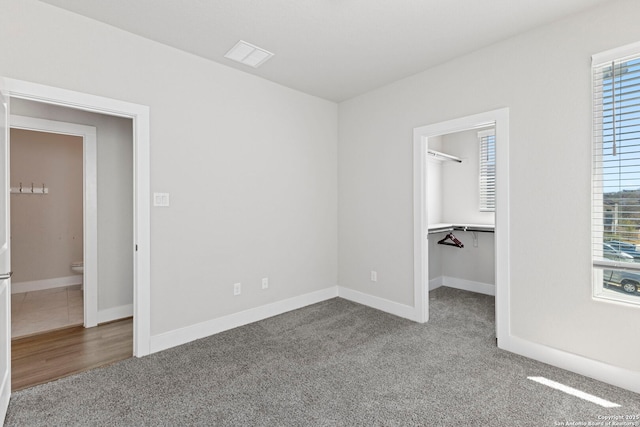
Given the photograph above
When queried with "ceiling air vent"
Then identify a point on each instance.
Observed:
(248, 54)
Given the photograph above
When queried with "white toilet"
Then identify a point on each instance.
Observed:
(77, 267)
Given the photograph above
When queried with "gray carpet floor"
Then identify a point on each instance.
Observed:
(335, 363)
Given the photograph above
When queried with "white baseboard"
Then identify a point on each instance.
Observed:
(619, 377)
(391, 307)
(115, 313)
(468, 285)
(5, 394)
(214, 326)
(39, 285)
(435, 283)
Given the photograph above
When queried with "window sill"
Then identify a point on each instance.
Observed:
(612, 295)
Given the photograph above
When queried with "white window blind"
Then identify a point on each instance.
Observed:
(487, 170)
(616, 165)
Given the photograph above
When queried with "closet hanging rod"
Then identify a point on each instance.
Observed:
(442, 156)
(488, 229)
(443, 228)
(440, 230)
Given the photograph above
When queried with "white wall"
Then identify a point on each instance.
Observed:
(434, 191)
(472, 263)
(250, 165)
(544, 78)
(434, 183)
(435, 257)
(460, 196)
(115, 196)
(46, 230)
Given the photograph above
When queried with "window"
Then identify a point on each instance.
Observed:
(487, 170)
(616, 174)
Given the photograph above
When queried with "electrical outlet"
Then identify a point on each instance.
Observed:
(237, 288)
(265, 283)
(374, 276)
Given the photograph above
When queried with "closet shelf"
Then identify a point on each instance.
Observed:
(437, 155)
(444, 227)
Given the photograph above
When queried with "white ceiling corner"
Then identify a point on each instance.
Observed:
(334, 49)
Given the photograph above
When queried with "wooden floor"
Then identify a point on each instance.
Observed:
(51, 355)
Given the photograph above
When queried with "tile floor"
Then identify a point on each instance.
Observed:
(38, 311)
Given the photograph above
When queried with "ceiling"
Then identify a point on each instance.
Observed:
(334, 49)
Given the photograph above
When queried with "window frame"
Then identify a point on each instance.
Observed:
(486, 183)
(600, 266)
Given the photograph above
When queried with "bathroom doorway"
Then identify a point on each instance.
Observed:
(138, 117)
(12, 90)
(108, 201)
(103, 177)
(65, 306)
(47, 228)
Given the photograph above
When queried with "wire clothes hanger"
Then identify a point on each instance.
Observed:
(451, 240)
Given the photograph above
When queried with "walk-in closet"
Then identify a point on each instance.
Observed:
(461, 174)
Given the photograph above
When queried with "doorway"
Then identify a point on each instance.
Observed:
(104, 181)
(88, 291)
(46, 231)
(139, 114)
(498, 120)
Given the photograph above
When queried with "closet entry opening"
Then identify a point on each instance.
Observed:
(460, 186)
(461, 223)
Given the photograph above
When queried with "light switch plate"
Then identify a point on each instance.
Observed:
(161, 199)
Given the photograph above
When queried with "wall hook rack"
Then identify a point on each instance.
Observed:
(31, 189)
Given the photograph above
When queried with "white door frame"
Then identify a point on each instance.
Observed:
(141, 181)
(5, 258)
(89, 202)
(421, 136)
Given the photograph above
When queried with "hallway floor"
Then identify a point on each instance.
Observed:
(48, 356)
(46, 310)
